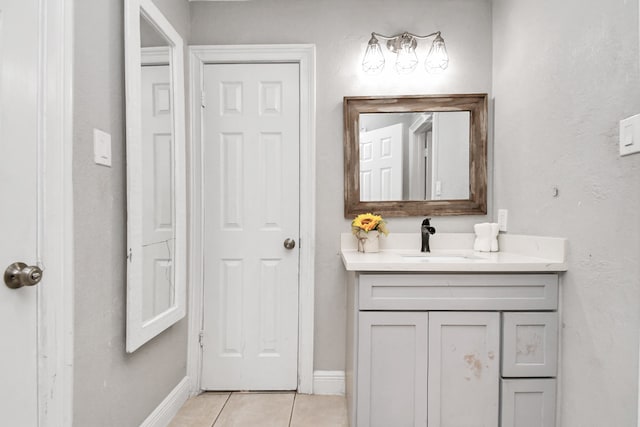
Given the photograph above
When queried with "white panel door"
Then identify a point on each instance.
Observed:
(381, 164)
(157, 206)
(464, 369)
(251, 205)
(392, 369)
(18, 216)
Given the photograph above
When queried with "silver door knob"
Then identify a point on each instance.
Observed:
(289, 243)
(20, 274)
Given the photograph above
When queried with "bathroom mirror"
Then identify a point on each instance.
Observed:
(156, 173)
(415, 155)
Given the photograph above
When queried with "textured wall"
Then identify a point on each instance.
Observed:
(111, 388)
(340, 30)
(564, 74)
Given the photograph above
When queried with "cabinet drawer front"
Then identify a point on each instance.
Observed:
(529, 344)
(528, 403)
(458, 291)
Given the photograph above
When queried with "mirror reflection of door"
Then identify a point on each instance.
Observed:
(381, 163)
(157, 149)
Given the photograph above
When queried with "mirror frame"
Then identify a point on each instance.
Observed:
(476, 104)
(140, 330)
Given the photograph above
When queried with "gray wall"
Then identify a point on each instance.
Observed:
(111, 388)
(452, 130)
(340, 30)
(564, 74)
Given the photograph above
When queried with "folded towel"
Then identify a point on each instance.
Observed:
(486, 237)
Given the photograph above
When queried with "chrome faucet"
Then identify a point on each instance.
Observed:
(426, 230)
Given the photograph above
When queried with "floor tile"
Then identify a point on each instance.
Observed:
(257, 409)
(319, 411)
(200, 411)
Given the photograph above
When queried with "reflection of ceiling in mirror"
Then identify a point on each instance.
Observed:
(149, 36)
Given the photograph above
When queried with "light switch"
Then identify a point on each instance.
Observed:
(630, 135)
(101, 148)
(438, 188)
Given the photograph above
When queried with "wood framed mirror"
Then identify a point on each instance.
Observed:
(415, 155)
(156, 173)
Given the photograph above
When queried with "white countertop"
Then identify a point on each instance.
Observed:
(453, 252)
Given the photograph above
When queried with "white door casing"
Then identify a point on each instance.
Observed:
(381, 163)
(35, 182)
(304, 55)
(251, 190)
(420, 158)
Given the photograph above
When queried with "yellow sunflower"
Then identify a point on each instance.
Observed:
(368, 222)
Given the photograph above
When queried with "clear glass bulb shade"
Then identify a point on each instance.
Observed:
(406, 60)
(373, 61)
(437, 59)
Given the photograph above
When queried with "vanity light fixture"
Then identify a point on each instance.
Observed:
(404, 46)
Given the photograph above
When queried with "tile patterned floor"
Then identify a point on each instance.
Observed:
(262, 410)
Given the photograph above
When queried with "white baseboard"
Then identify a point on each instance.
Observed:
(328, 382)
(169, 407)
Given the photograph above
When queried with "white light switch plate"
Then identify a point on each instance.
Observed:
(101, 148)
(630, 135)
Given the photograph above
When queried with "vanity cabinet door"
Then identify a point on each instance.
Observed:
(464, 369)
(528, 402)
(392, 369)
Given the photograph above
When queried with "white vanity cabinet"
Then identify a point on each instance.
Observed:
(452, 349)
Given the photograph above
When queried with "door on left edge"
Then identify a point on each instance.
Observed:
(19, 87)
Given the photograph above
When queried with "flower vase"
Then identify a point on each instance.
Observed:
(368, 242)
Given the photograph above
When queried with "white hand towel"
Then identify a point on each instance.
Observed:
(483, 237)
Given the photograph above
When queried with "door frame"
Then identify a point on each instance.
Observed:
(304, 55)
(55, 214)
(417, 147)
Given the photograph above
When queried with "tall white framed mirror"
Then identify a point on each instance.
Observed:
(156, 173)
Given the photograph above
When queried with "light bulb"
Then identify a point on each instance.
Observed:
(406, 60)
(373, 61)
(437, 59)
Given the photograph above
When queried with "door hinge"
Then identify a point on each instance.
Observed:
(203, 99)
(201, 339)
(426, 152)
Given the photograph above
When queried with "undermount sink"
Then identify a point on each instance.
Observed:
(431, 257)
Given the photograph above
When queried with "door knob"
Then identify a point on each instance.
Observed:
(20, 274)
(289, 243)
